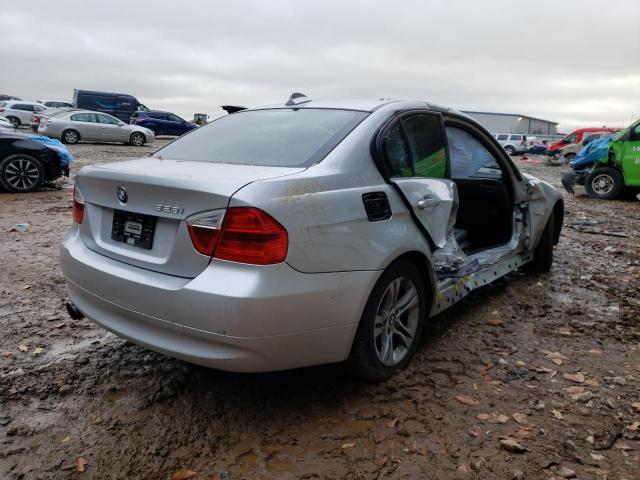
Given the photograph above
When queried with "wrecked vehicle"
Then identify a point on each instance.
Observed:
(303, 233)
(605, 166)
(569, 153)
(28, 161)
(556, 148)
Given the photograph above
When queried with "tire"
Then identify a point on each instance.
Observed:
(137, 139)
(15, 121)
(70, 136)
(391, 313)
(21, 173)
(543, 254)
(605, 183)
(510, 150)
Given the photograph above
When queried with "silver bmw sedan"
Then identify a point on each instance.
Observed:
(303, 233)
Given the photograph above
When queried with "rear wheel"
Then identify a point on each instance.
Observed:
(15, 121)
(510, 150)
(70, 136)
(604, 182)
(136, 139)
(21, 173)
(391, 325)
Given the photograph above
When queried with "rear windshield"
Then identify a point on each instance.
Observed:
(278, 137)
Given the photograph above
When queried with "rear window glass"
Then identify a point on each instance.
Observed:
(503, 137)
(277, 137)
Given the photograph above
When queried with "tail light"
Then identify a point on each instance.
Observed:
(241, 234)
(78, 206)
(204, 231)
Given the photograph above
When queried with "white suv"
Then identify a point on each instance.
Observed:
(19, 112)
(513, 143)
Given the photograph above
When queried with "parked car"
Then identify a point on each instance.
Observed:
(606, 165)
(27, 161)
(574, 137)
(303, 233)
(6, 124)
(55, 104)
(119, 105)
(162, 123)
(513, 143)
(86, 126)
(537, 147)
(19, 112)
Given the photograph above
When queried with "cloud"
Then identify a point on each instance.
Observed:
(571, 61)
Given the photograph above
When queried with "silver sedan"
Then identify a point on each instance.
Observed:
(303, 233)
(86, 126)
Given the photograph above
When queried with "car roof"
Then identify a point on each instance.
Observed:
(80, 110)
(22, 102)
(153, 111)
(363, 105)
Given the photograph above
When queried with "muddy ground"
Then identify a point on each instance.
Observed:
(551, 362)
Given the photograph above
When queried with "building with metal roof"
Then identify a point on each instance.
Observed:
(514, 123)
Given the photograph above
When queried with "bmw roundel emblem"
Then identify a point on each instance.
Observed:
(122, 194)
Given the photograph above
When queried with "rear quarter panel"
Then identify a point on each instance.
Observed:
(541, 203)
(324, 215)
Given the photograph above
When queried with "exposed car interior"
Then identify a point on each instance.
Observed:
(414, 147)
(484, 195)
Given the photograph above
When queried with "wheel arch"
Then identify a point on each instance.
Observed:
(558, 220)
(420, 260)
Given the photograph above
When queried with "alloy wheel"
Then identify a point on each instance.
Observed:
(137, 140)
(22, 174)
(70, 136)
(396, 321)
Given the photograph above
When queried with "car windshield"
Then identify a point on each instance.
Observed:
(276, 137)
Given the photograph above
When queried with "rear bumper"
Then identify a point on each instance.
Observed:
(232, 316)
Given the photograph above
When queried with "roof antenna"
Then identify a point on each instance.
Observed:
(297, 99)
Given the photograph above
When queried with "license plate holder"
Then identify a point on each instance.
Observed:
(134, 229)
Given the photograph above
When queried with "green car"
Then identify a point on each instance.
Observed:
(604, 167)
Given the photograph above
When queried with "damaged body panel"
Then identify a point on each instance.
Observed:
(607, 165)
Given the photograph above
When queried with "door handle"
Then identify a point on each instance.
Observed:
(428, 203)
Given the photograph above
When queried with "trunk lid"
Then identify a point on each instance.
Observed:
(160, 195)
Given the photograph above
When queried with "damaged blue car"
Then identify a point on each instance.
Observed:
(29, 161)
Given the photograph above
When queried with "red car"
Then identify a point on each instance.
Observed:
(576, 136)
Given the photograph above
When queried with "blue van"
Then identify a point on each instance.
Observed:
(119, 105)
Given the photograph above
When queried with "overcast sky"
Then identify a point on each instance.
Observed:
(574, 62)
